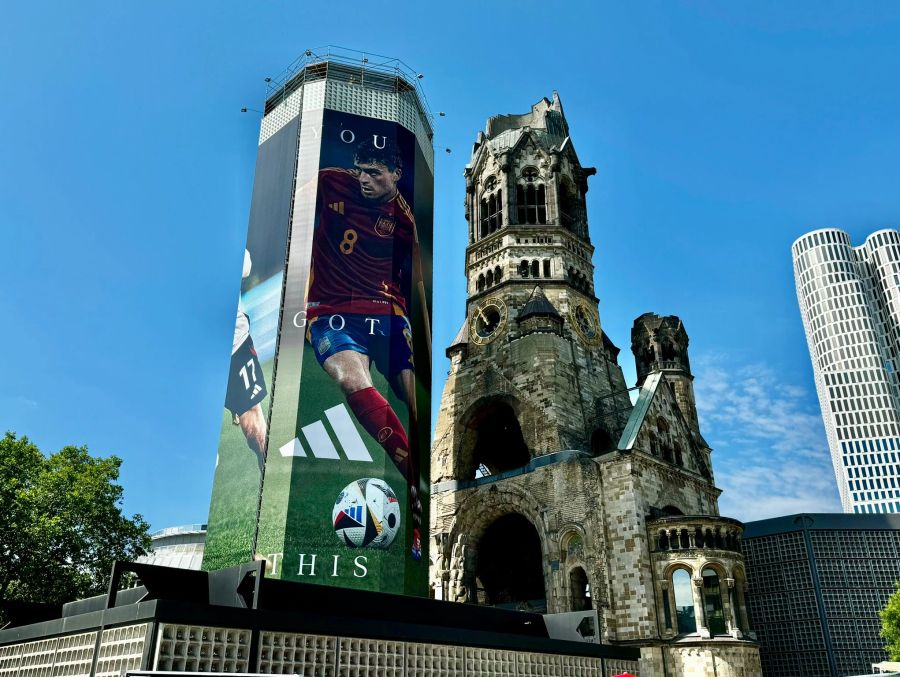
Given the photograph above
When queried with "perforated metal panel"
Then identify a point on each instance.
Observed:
(193, 648)
(59, 656)
(289, 653)
(314, 95)
(199, 648)
(350, 98)
(538, 665)
(121, 649)
(370, 658)
(9, 659)
(617, 667)
(282, 114)
(490, 662)
(577, 666)
(75, 655)
(36, 659)
(434, 660)
(392, 106)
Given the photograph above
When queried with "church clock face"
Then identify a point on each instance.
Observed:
(488, 321)
(584, 320)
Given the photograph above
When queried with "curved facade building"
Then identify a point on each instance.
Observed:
(850, 303)
(180, 547)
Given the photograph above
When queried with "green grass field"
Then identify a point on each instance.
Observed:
(298, 499)
(232, 510)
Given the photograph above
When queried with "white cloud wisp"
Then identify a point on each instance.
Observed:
(770, 453)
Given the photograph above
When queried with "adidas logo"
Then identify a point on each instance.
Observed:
(337, 206)
(318, 441)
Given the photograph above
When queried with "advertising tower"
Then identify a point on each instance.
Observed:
(322, 468)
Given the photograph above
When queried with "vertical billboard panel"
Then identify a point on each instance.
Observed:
(346, 484)
(335, 378)
(242, 441)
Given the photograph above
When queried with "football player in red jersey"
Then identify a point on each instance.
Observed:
(364, 258)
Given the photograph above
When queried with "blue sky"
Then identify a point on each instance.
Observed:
(720, 131)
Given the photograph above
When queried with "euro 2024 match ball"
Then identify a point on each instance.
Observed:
(366, 514)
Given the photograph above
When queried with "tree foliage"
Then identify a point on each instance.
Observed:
(61, 525)
(890, 624)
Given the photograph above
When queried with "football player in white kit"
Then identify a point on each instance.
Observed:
(246, 385)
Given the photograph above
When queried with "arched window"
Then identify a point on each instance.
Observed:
(546, 267)
(484, 218)
(601, 441)
(578, 280)
(573, 546)
(493, 438)
(535, 204)
(712, 602)
(569, 203)
(684, 601)
(679, 457)
(668, 350)
(703, 467)
(531, 198)
(480, 284)
(491, 208)
(523, 269)
(495, 206)
(662, 541)
(740, 583)
(579, 590)
(490, 278)
(664, 443)
(535, 269)
(541, 205)
(497, 275)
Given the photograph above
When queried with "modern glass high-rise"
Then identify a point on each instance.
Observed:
(850, 302)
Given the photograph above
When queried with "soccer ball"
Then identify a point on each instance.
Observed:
(366, 514)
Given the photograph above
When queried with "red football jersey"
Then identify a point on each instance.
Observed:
(362, 250)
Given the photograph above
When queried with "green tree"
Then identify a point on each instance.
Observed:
(890, 624)
(61, 525)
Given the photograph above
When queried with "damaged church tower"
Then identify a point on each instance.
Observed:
(552, 491)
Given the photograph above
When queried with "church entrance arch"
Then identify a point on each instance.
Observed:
(493, 441)
(509, 569)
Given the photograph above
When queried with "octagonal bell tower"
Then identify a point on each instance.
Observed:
(531, 344)
(534, 379)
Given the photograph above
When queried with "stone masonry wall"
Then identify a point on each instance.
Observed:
(460, 518)
(551, 382)
(718, 659)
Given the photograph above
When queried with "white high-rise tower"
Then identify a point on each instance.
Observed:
(850, 302)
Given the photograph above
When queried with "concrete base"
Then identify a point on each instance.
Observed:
(696, 658)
